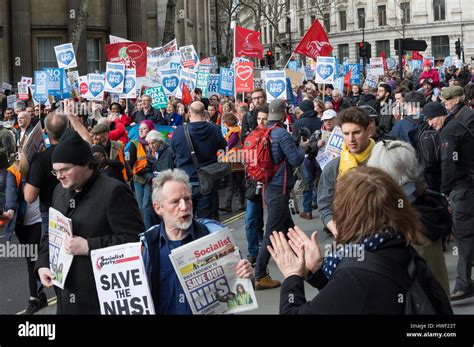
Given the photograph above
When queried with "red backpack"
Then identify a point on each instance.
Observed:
(257, 152)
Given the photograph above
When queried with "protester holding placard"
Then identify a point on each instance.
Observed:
(104, 213)
(172, 200)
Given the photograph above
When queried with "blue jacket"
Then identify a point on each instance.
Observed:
(307, 120)
(151, 250)
(407, 130)
(14, 200)
(285, 151)
(207, 139)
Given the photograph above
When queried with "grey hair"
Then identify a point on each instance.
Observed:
(175, 175)
(397, 158)
(154, 135)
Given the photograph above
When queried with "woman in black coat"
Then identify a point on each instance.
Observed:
(369, 220)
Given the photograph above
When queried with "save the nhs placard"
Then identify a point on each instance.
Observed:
(170, 81)
(226, 81)
(114, 77)
(275, 85)
(325, 70)
(355, 73)
(65, 56)
(130, 84)
(96, 87)
(41, 86)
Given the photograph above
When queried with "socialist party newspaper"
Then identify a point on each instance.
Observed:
(206, 269)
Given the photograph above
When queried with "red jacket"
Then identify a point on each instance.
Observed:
(119, 133)
(433, 74)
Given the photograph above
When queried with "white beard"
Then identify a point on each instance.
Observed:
(184, 225)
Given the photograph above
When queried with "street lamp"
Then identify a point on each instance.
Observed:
(362, 17)
(288, 29)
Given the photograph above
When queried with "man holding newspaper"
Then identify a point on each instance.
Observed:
(202, 274)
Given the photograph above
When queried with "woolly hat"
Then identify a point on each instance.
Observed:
(72, 149)
(307, 105)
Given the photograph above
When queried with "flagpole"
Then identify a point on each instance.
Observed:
(291, 56)
(233, 61)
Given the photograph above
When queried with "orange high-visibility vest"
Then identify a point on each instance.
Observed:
(141, 162)
(17, 175)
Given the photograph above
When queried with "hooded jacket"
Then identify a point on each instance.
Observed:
(207, 140)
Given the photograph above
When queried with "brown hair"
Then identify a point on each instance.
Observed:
(353, 115)
(230, 119)
(368, 200)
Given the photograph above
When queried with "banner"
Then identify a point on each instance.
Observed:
(325, 70)
(65, 56)
(166, 57)
(55, 82)
(11, 101)
(334, 144)
(158, 96)
(189, 57)
(96, 87)
(129, 85)
(376, 66)
(275, 84)
(371, 80)
(206, 269)
(186, 77)
(247, 43)
(114, 78)
(170, 81)
(6, 86)
(27, 80)
(296, 77)
(202, 82)
(355, 73)
(83, 86)
(226, 82)
(391, 63)
(23, 91)
(121, 282)
(243, 77)
(132, 54)
(213, 86)
(315, 42)
(59, 261)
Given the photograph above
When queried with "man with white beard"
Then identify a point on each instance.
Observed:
(172, 201)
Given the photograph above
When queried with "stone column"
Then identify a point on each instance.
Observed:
(21, 40)
(118, 18)
(136, 20)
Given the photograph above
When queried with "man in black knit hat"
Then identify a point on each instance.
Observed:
(104, 213)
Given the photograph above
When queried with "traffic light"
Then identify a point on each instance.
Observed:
(458, 48)
(368, 50)
(361, 50)
(365, 50)
(270, 58)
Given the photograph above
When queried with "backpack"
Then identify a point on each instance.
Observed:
(424, 295)
(429, 147)
(257, 151)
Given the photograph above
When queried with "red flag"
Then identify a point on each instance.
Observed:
(416, 55)
(187, 97)
(132, 54)
(247, 43)
(347, 78)
(385, 66)
(315, 42)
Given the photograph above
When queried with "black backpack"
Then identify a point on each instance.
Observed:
(429, 147)
(424, 295)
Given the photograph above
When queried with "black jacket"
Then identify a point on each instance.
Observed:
(307, 120)
(249, 124)
(207, 139)
(457, 148)
(106, 214)
(154, 115)
(350, 291)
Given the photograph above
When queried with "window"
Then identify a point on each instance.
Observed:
(313, 18)
(439, 10)
(46, 55)
(382, 15)
(301, 26)
(327, 22)
(361, 17)
(343, 51)
(383, 46)
(405, 7)
(342, 19)
(300, 4)
(287, 5)
(270, 34)
(93, 55)
(440, 47)
(265, 35)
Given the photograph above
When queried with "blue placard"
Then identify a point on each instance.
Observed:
(226, 81)
(355, 73)
(41, 86)
(55, 82)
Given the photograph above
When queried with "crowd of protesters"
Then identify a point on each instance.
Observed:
(417, 133)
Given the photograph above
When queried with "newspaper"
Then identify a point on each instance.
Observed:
(120, 277)
(333, 147)
(59, 260)
(206, 269)
(34, 143)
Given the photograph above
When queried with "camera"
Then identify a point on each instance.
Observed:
(258, 190)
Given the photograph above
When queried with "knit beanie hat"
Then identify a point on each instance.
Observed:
(306, 105)
(72, 149)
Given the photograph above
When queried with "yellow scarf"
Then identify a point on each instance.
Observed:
(350, 160)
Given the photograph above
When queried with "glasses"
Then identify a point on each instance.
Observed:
(61, 172)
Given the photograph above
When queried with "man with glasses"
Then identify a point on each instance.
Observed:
(457, 182)
(148, 112)
(104, 213)
(249, 122)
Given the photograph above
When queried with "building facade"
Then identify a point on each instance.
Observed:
(439, 22)
(29, 30)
